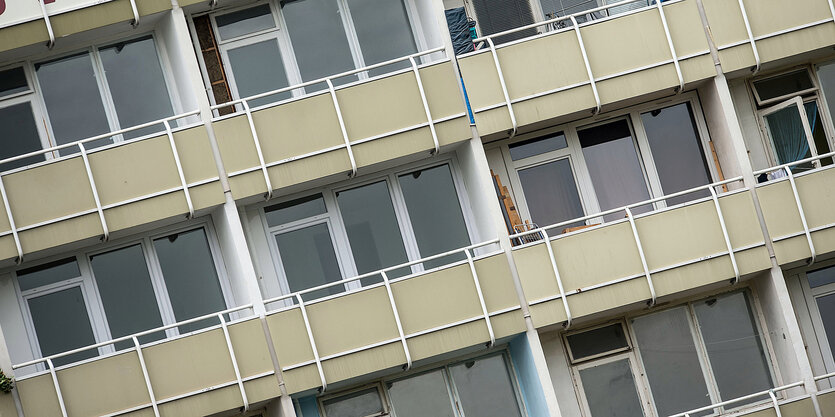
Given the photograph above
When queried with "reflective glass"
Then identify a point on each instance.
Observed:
(133, 67)
(190, 277)
(420, 396)
(258, 68)
(826, 308)
(21, 135)
(13, 81)
(48, 273)
(384, 32)
(734, 345)
(127, 294)
(551, 193)
(61, 324)
(358, 404)
(309, 260)
(300, 208)
(784, 84)
(435, 212)
(253, 19)
(821, 277)
(677, 151)
(614, 167)
(788, 135)
(484, 388)
(671, 362)
(826, 75)
(594, 342)
(372, 227)
(73, 100)
(610, 390)
(537, 146)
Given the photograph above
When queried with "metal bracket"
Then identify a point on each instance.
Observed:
(135, 11)
(151, 395)
(51, 41)
(641, 254)
(12, 225)
(672, 47)
(342, 127)
(559, 278)
(586, 61)
(397, 320)
(179, 168)
(750, 37)
(725, 234)
(95, 190)
(480, 297)
(57, 387)
(429, 119)
(312, 342)
(802, 214)
(248, 112)
(504, 87)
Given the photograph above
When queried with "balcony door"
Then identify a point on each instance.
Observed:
(787, 126)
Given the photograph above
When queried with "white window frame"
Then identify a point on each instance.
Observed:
(797, 102)
(582, 177)
(382, 393)
(629, 357)
(811, 323)
(763, 103)
(31, 97)
(572, 360)
(92, 298)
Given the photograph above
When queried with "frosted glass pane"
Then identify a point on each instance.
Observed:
(309, 260)
(62, 324)
(258, 68)
(21, 135)
(420, 396)
(384, 32)
(190, 277)
(127, 294)
(253, 19)
(358, 404)
(436, 215)
(597, 341)
(734, 345)
(485, 389)
(297, 209)
(671, 361)
(610, 390)
(48, 273)
(551, 193)
(131, 67)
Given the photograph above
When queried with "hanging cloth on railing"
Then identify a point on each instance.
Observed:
(789, 135)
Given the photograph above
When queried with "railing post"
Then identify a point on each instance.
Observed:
(57, 387)
(586, 61)
(12, 224)
(751, 39)
(641, 254)
(672, 47)
(342, 128)
(725, 233)
(141, 357)
(234, 360)
(429, 118)
(775, 403)
(257, 142)
(484, 311)
(312, 342)
(51, 42)
(135, 11)
(504, 86)
(558, 277)
(179, 168)
(802, 214)
(95, 190)
(397, 320)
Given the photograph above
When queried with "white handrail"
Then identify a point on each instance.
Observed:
(556, 270)
(751, 39)
(179, 168)
(46, 20)
(802, 214)
(769, 392)
(135, 11)
(312, 340)
(425, 102)
(586, 62)
(95, 190)
(396, 313)
(254, 133)
(672, 47)
(504, 87)
(342, 128)
(12, 224)
(640, 247)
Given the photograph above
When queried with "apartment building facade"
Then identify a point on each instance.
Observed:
(354, 208)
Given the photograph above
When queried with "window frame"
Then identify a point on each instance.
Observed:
(381, 393)
(92, 297)
(765, 103)
(640, 389)
(572, 361)
(812, 329)
(798, 102)
(32, 97)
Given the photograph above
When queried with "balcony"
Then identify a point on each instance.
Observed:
(25, 23)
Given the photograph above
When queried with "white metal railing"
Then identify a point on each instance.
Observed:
(301, 304)
(137, 347)
(575, 26)
(627, 210)
(54, 154)
(786, 169)
(331, 90)
(769, 392)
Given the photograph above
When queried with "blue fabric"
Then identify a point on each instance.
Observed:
(526, 374)
(467, 101)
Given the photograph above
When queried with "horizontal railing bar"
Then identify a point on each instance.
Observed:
(738, 399)
(798, 162)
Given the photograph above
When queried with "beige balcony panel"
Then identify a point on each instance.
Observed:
(508, 324)
(262, 389)
(737, 57)
(376, 151)
(384, 105)
(448, 340)
(769, 16)
(795, 408)
(364, 362)
(797, 42)
(482, 80)
(146, 211)
(63, 232)
(104, 386)
(443, 90)
(76, 21)
(686, 28)
(63, 184)
(827, 403)
(726, 23)
(290, 338)
(301, 379)
(251, 349)
(226, 398)
(7, 406)
(496, 283)
(145, 412)
(38, 397)
(7, 247)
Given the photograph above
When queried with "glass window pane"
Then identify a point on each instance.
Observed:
(61, 324)
(73, 100)
(826, 308)
(821, 277)
(258, 68)
(318, 37)
(671, 362)
(253, 19)
(309, 260)
(21, 135)
(126, 292)
(421, 396)
(551, 193)
(788, 135)
(300, 208)
(130, 67)
(597, 341)
(13, 81)
(48, 273)
(614, 167)
(190, 277)
(734, 345)
(484, 388)
(677, 151)
(610, 390)
(531, 147)
(818, 130)
(555, 8)
(826, 75)
(783, 85)
(372, 227)
(435, 212)
(384, 32)
(358, 404)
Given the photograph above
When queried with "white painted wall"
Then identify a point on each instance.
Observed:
(560, 373)
(747, 116)
(717, 124)
(480, 191)
(175, 53)
(15, 348)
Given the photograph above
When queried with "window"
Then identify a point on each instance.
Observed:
(685, 357)
(355, 229)
(117, 291)
(571, 171)
(816, 314)
(477, 387)
(18, 117)
(284, 42)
